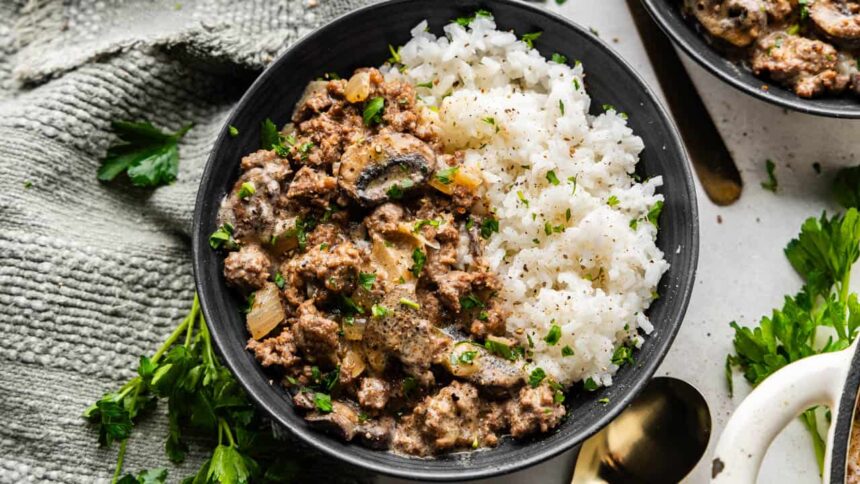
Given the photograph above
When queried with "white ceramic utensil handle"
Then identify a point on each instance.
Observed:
(816, 380)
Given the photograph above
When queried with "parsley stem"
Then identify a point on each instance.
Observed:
(195, 309)
(223, 423)
(845, 286)
(119, 458)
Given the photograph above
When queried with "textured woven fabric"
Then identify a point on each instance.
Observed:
(93, 275)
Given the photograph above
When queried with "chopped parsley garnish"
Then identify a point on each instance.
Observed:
(148, 156)
(558, 58)
(395, 56)
(567, 215)
(305, 149)
(604, 401)
(489, 120)
(634, 224)
(623, 354)
(471, 301)
(279, 280)
(499, 348)
(269, 136)
(465, 21)
(804, 9)
(483, 316)
(654, 213)
(373, 111)
(576, 83)
(522, 198)
(536, 377)
(234, 131)
(612, 201)
(396, 191)
(547, 228)
(423, 222)
(561, 106)
(409, 385)
(530, 38)
(322, 402)
(246, 190)
(418, 258)
(366, 280)
(467, 357)
(553, 335)
(567, 351)
(428, 84)
(771, 184)
(409, 303)
(349, 306)
(489, 226)
(446, 175)
(793, 29)
(572, 181)
(223, 237)
(590, 385)
(552, 178)
(378, 311)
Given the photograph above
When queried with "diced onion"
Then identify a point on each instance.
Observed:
(377, 360)
(462, 369)
(354, 331)
(419, 240)
(353, 363)
(395, 261)
(463, 177)
(266, 313)
(358, 87)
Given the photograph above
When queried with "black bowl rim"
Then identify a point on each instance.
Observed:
(694, 51)
(844, 421)
(537, 455)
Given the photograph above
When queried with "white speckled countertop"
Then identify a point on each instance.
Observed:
(742, 272)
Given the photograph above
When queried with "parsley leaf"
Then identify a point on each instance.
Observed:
(322, 402)
(501, 349)
(149, 157)
(771, 183)
(269, 135)
(552, 178)
(553, 335)
(536, 377)
(823, 255)
(419, 258)
(489, 226)
(465, 21)
(471, 301)
(654, 213)
(223, 237)
(446, 175)
(567, 351)
(366, 280)
(530, 39)
(373, 111)
(234, 131)
(558, 59)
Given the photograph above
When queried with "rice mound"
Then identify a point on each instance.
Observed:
(568, 251)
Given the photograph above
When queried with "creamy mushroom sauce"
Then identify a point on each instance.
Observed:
(358, 242)
(809, 46)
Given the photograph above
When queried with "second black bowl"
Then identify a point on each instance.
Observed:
(361, 38)
(667, 14)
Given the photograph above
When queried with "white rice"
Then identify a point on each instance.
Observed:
(595, 275)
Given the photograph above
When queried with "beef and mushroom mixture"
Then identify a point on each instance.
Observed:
(358, 243)
(809, 46)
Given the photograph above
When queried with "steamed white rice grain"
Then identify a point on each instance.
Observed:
(520, 119)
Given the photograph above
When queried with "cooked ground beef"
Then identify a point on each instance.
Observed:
(808, 47)
(372, 278)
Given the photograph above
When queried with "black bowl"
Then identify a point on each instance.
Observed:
(361, 38)
(667, 14)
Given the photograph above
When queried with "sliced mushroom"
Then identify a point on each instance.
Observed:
(342, 421)
(384, 167)
(475, 364)
(839, 20)
(738, 22)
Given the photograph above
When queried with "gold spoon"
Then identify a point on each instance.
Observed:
(658, 439)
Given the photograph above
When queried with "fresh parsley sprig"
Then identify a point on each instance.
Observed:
(148, 156)
(201, 394)
(823, 255)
